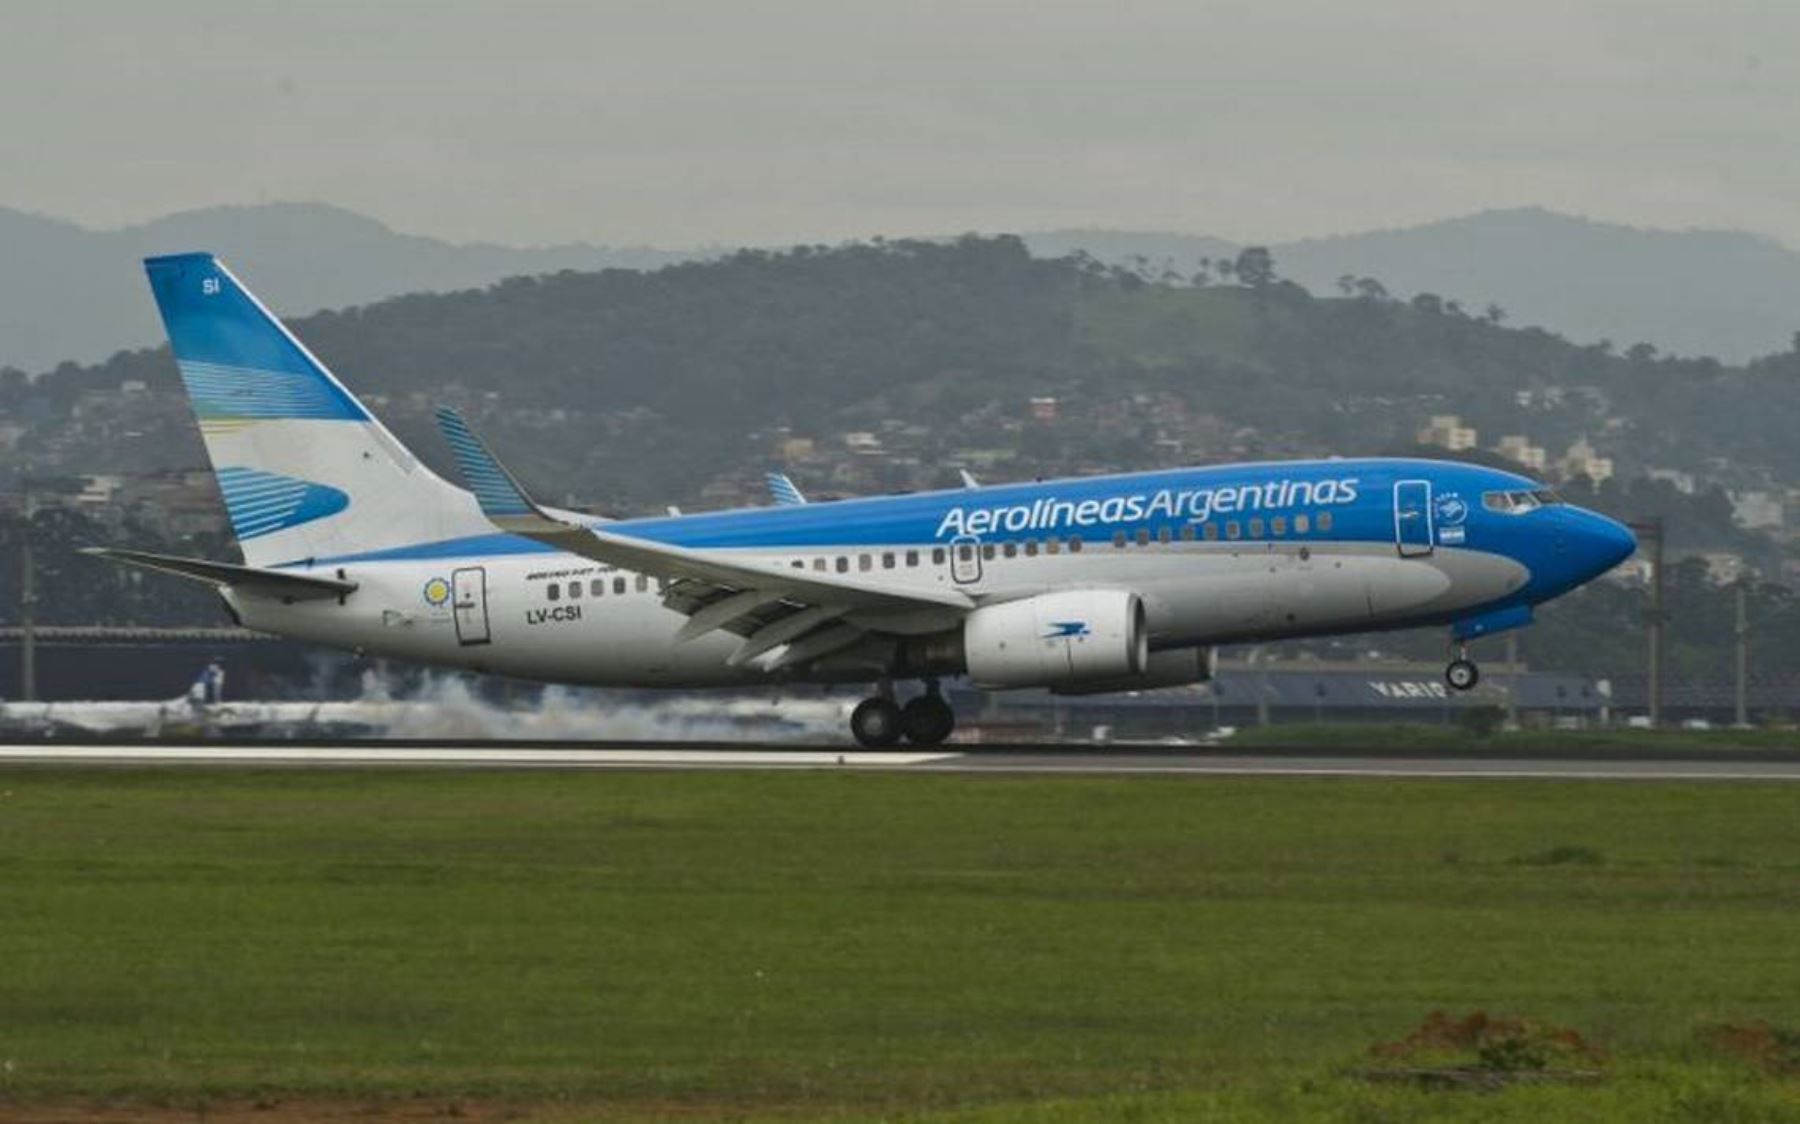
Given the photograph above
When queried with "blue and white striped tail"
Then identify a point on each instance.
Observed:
(305, 470)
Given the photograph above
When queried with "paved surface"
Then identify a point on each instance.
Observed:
(1017, 759)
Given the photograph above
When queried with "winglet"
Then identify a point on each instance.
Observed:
(501, 496)
(783, 490)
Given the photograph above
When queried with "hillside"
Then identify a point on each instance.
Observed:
(634, 388)
(1693, 292)
(69, 293)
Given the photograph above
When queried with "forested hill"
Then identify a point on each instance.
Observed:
(629, 389)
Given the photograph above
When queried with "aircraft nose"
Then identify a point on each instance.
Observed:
(1604, 542)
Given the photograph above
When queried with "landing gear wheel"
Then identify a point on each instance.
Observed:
(927, 720)
(1462, 674)
(875, 723)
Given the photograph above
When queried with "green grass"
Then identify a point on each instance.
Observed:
(1448, 737)
(868, 945)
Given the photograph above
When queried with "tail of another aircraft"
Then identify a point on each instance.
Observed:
(306, 471)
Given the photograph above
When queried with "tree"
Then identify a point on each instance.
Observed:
(1494, 314)
(1640, 352)
(1255, 267)
(1430, 304)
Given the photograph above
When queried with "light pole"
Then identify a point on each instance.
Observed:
(1656, 618)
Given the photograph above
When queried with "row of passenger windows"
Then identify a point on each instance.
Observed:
(595, 587)
(1276, 526)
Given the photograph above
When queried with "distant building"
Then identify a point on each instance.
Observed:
(1759, 511)
(1583, 460)
(795, 448)
(1519, 449)
(1446, 431)
(1043, 409)
(1723, 567)
(1682, 482)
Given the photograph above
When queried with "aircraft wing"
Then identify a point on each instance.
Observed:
(770, 604)
(783, 490)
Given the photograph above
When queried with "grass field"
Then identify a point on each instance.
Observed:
(862, 946)
(1365, 737)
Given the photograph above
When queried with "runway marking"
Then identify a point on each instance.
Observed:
(447, 755)
(1466, 771)
(1118, 761)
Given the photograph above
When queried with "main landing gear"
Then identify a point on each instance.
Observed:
(1462, 674)
(879, 722)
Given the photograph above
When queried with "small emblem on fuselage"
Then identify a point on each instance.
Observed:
(1451, 510)
(437, 593)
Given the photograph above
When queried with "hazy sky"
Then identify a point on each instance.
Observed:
(678, 123)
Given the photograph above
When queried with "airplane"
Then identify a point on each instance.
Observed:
(111, 716)
(1085, 585)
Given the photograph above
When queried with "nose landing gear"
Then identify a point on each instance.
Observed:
(1462, 674)
(878, 722)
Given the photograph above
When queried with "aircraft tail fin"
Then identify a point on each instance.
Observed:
(306, 471)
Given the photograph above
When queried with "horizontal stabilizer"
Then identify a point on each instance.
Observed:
(275, 583)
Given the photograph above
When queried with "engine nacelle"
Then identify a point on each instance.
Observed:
(1172, 667)
(1067, 637)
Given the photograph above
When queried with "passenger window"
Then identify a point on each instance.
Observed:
(887, 559)
(574, 591)
(912, 558)
(1052, 545)
(1302, 525)
(597, 586)
(965, 553)
(1074, 544)
(1278, 525)
(937, 556)
(553, 592)
(1211, 531)
(987, 551)
(643, 583)
(1162, 534)
(619, 584)
(865, 562)
(1143, 536)
(1256, 526)
(1119, 539)
(1231, 529)
(1031, 548)
(799, 564)
(1324, 522)
(819, 564)
(843, 564)
(1011, 550)
(1187, 532)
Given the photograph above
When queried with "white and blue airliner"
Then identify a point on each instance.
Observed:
(1104, 583)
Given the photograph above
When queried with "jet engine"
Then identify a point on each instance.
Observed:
(1067, 637)
(1172, 667)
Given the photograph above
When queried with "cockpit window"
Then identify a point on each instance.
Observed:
(1518, 503)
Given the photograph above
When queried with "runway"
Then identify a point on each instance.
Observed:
(1043, 760)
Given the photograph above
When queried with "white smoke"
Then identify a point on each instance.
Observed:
(446, 707)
